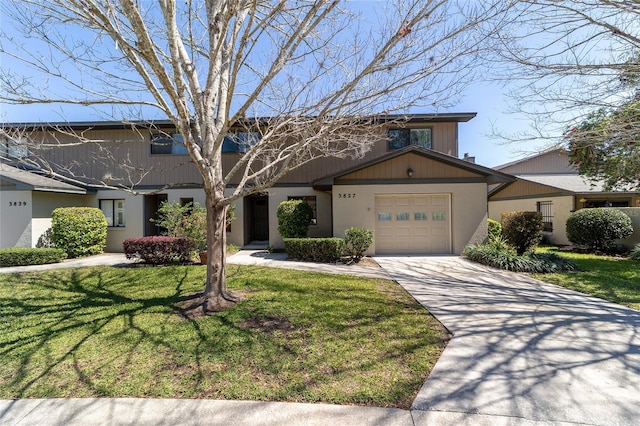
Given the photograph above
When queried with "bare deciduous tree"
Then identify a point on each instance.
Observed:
(565, 60)
(319, 71)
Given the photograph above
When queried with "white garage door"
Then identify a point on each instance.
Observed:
(413, 224)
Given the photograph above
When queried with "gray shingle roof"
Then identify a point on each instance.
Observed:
(31, 181)
(567, 182)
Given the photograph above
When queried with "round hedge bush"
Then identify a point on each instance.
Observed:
(79, 231)
(523, 230)
(597, 229)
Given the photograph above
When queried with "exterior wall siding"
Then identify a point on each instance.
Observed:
(423, 168)
(124, 157)
(550, 162)
(634, 215)
(522, 189)
(16, 213)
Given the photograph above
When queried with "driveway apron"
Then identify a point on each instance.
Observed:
(522, 350)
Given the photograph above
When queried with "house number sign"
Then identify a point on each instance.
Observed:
(343, 195)
(17, 203)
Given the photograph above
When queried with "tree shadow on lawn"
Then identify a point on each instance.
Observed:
(117, 332)
(54, 326)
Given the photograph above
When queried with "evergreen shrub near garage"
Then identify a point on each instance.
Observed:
(326, 250)
(522, 230)
(498, 253)
(635, 253)
(159, 250)
(23, 256)
(356, 242)
(494, 229)
(597, 229)
(294, 218)
(79, 231)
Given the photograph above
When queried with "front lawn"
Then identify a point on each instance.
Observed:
(298, 336)
(611, 278)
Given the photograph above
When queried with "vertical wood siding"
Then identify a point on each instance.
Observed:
(123, 156)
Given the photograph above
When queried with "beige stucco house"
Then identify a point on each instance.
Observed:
(547, 183)
(410, 188)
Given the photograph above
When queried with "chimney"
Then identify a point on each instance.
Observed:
(468, 158)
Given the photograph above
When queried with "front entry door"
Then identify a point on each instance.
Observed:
(258, 217)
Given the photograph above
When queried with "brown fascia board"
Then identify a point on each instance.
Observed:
(493, 176)
(104, 125)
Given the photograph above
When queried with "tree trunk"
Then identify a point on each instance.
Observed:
(216, 295)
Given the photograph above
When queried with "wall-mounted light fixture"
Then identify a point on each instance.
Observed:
(409, 172)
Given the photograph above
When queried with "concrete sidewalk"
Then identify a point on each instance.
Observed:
(523, 352)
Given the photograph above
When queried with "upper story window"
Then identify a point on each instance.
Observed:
(240, 141)
(14, 148)
(162, 143)
(400, 138)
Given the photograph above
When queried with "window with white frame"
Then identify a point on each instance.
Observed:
(114, 212)
(171, 144)
(400, 138)
(311, 201)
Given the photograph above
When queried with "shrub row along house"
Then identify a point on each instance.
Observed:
(411, 188)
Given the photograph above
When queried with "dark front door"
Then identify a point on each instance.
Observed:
(258, 226)
(151, 206)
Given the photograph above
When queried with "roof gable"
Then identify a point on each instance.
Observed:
(549, 161)
(422, 168)
(426, 166)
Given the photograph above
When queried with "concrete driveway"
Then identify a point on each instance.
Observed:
(522, 351)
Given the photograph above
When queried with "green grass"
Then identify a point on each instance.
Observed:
(611, 278)
(299, 336)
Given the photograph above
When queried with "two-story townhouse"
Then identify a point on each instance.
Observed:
(410, 188)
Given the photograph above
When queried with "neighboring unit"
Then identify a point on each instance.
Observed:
(410, 188)
(547, 183)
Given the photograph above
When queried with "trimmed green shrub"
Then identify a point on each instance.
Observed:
(356, 242)
(500, 255)
(22, 256)
(325, 250)
(635, 253)
(597, 229)
(79, 231)
(294, 217)
(522, 230)
(494, 229)
(44, 241)
(159, 250)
